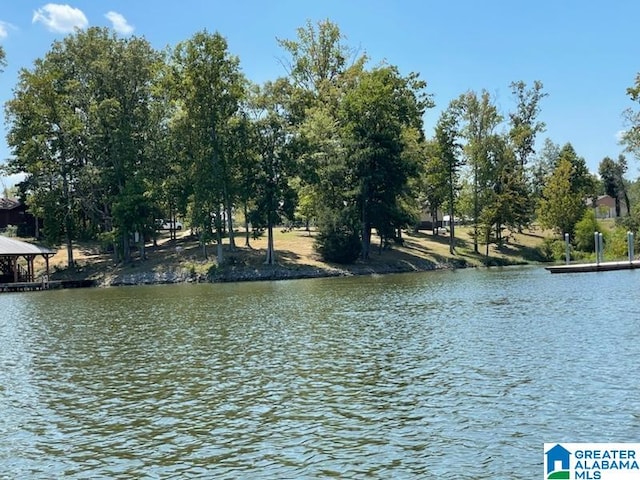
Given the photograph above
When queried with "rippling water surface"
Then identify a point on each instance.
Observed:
(449, 374)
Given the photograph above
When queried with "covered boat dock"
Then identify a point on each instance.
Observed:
(17, 270)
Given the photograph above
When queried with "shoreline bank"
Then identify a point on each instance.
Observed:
(270, 273)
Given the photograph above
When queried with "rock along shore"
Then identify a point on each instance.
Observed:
(268, 272)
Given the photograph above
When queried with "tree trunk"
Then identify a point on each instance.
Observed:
(227, 203)
(434, 219)
(143, 252)
(203, 245)
(476, 207)
(270, 260)
(126, 248)
(452, 231)
(366, 227)
(271, 257)
(219, 225)
(246, 226)
(70, 261)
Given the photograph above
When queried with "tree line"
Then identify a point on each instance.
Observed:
(113, 134)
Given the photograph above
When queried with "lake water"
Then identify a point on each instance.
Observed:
(459, 374)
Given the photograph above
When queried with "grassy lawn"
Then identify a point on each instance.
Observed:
(294, 250)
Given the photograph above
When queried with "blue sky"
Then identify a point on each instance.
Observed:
(585, 53)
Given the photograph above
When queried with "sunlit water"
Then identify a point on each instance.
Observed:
(437, 375)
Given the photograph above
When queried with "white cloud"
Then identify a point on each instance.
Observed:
(4, 29)
(119, 23)
(620, 135)
(60, 18)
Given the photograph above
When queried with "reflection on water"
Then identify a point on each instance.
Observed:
(462, 374)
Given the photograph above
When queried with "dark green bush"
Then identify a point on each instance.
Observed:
(339, 246)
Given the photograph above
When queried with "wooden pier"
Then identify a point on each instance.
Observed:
(28, 286)
(52, 284)
(594, 267)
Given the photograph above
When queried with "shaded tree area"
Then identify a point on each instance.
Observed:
(113, 135)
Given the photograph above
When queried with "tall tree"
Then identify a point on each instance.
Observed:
(3, 60)
(480, 119)
(320, 67)
(446, 162)
(564, 197)
(524, 128)
(374, 115)
(524, 122)
(207, 86)
(80, 130)
(561, 207)
(542, 167)
(612, 176)
(274, 197)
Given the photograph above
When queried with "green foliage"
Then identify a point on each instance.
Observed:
(563, 198)
(375, 116)
(584, 232)
(631, 137)
(615, 243)
(10, 231)
(612, 176)
(339, 245)
(552, 250)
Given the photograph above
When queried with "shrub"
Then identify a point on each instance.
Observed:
(585, 229)
(552, 250)
(338, 245)
(616, 243)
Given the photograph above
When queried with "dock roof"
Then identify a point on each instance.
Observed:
(11, 247)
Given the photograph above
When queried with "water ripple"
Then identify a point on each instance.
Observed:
(460, 374)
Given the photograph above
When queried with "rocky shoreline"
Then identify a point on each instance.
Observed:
(266, 272)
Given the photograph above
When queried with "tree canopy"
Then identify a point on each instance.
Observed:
(113, 135)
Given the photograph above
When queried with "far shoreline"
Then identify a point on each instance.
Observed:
(181, 261)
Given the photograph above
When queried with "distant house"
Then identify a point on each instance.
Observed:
(14, 212)
(605, 207)
(428, 221)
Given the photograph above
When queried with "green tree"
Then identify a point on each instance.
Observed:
(275, 198)
(584, 232)
(480, 119)
(523, 121)
(565, 196)
(320, 67)
(524, 128)
(80, 131)
(3, 60)
(44, 133)
(542, 168)
(374, 115)
(207, 86)
(445, 164)
(631, 136)
(612, 176)
(506, 201)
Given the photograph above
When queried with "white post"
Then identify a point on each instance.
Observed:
(601, 245)
(630, 246)
(596, 242)
(567, 248)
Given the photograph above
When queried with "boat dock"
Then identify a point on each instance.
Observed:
(594, 267)
(50, 285)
